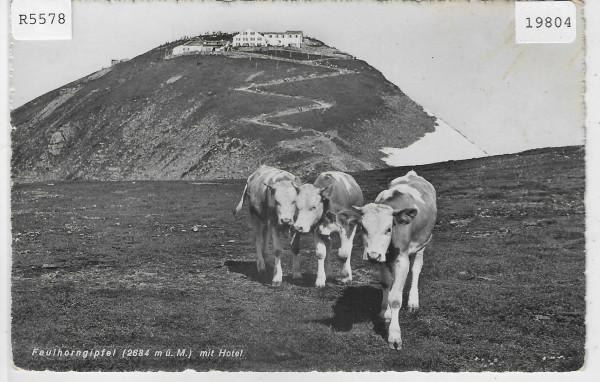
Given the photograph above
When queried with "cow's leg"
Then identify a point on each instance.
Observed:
(413, 296)
(321, 245)
(277, 249)
(347, 272)
(385, 278)
(400, 269)
(259, 241)
(346, 252)
(296, 273)
(328, 257)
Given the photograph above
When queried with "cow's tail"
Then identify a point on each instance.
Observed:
(241, 203)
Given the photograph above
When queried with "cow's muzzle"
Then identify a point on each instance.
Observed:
(375, 257)
(300, 229)
(286, 221)
(343, 256)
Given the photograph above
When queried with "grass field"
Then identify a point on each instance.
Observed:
(119, 265)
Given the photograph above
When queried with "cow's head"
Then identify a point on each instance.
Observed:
(347, 222)
(378, 221)
(311, 203)
(282, 198)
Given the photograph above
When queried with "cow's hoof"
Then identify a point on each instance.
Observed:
(413, 303)
(347, 280)
(276, 284)
(395, 345)
(320, 285)
(297, 276)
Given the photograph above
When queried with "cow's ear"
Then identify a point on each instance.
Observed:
(348, 217)
(358, 210)
(325, 192)
(405, 216)
(331, 216)
(389, 182)
(270, 188)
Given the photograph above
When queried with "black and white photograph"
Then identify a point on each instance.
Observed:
(357, 186)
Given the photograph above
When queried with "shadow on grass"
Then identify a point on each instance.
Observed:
(355, 305)
(248, 269)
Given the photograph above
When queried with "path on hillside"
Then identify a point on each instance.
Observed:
(314, 103)
(338, 157)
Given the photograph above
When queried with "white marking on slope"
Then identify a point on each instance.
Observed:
(173, 79)
(253, 76)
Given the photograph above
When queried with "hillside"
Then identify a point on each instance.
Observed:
(215, 116)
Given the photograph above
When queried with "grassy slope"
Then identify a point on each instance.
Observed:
(117, 265)
(156, 118)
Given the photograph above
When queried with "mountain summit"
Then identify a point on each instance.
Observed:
(217, 114)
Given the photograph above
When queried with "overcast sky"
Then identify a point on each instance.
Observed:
(458, 60)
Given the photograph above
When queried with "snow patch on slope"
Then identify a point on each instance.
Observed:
(442, 145)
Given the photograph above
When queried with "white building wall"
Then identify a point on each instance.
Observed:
(252, 38)
(249, 38)
(189, 49)
(284, 39)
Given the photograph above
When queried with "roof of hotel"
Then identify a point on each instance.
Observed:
(287, 32)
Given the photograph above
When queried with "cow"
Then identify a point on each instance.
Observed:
(397, 225)
(271, 195)
(318, 205)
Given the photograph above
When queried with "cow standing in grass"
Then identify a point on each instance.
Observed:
(397, 225)
(271, 195)
(318, 205)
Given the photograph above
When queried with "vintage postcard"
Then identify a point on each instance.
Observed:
(298, 186)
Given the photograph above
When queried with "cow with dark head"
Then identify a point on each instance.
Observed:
(318, 207)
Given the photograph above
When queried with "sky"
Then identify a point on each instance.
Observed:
(458, 60)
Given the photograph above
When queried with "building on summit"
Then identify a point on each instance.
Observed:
(202, 46)
(247, 38)
(289, 38)
(284, 39)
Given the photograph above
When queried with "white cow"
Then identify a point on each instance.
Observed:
(271, 194)
(397, 225)
(318, 207)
